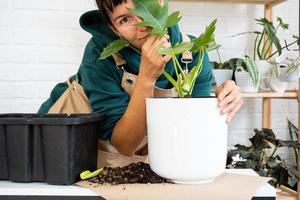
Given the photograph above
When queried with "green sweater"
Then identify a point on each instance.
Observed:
(101, 79)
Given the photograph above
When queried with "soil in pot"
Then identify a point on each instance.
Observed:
(133, 173)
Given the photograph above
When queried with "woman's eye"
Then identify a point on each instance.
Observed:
(124, 20)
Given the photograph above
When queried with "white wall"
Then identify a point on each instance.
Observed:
(41, 44)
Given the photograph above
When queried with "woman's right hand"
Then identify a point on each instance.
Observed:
(152, 62)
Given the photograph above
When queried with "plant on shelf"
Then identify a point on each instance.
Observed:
(262, 157)
(159, 22)
(247, 77)
(269, 34)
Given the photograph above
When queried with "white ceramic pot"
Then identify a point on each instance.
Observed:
(222, 75)
(263, 67)
(277, 85)
(187, 139)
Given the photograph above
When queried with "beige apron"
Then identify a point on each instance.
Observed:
(107, 153)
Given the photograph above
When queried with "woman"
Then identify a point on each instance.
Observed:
(119, 85)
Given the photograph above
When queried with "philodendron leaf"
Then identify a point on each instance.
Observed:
(113, 48)
(177, 49)
(252, 70)
(205, 40)
(155, 16)
(270, 32)
(173, 19)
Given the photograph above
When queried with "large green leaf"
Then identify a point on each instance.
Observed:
(205, 40)
(270, 32)
(113, 48)
(177, 49)
(252, 70)
(154, 16)
(173, 19)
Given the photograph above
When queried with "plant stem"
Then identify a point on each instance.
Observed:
(180, 93)
(255, 43)
(281, 49)
(219, 56)
(198, 69)
(259, 43)
(180, 69)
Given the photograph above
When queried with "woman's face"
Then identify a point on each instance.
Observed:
(124, 25)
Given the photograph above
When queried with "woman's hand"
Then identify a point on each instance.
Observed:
(230, 99)
(152, 62)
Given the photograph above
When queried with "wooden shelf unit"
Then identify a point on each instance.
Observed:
(267, 112)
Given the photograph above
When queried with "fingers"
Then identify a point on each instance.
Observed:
(224, 89)
(167, 58)
(230, 99)
(234, 111)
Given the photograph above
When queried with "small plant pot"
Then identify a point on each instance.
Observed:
(277, 85)
(263, 67)
(52, 148)
(243, 80)
(187, 139)
(222, 75)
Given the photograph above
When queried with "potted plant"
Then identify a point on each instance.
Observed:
(262, 156)
(273, 81)
(265, 40)
(289, 64)
(247, 78)
(178, 146)
(223, 71)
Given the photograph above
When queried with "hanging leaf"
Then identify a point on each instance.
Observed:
(270, 32)
(113, 48)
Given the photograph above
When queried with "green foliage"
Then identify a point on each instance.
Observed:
(252, 70)
(155, 16)
(260, 156)
(185, 82)
(232, 63)
(113, 48)
(270, 32)
(206, 39)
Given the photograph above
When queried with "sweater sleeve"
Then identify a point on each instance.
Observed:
(203, 82)
(101, 83)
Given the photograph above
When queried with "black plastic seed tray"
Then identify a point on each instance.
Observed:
(52, 148)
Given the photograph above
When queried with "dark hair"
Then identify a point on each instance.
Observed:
(107, 6)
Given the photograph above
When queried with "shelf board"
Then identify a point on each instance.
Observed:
(264, 2)
(286, 95)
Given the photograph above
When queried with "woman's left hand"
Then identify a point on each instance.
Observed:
(230, 99)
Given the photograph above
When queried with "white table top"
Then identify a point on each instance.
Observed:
(43, 189)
